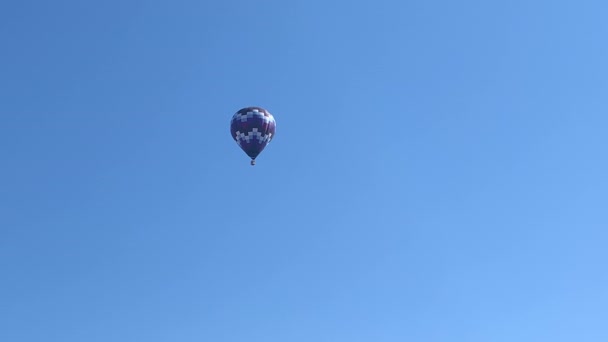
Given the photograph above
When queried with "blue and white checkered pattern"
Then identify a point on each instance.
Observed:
(243, 117)
(253, 134)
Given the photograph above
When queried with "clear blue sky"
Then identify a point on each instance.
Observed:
(439, 172)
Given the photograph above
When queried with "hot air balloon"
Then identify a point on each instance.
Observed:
(252, 128)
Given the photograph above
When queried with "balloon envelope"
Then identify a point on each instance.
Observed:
(252, 128)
